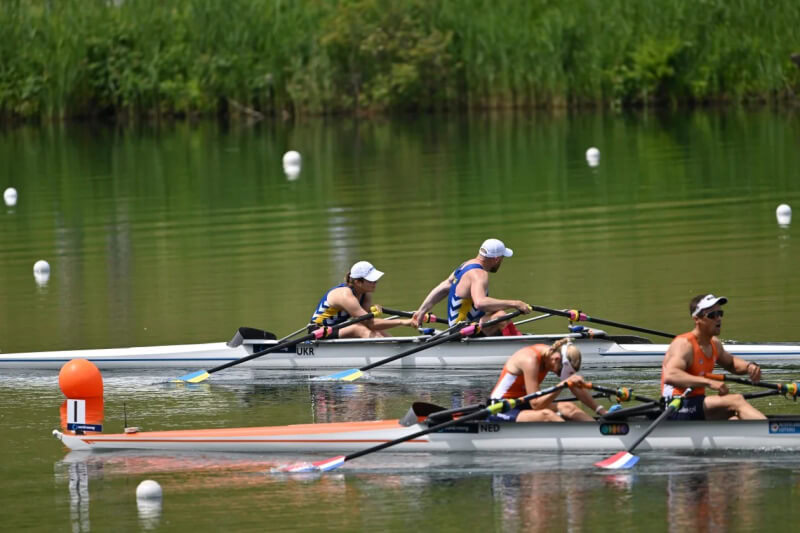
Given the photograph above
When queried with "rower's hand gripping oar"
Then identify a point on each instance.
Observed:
(464, 330)
(319, 333)
(336, 462)
(577, 316)
(429, 317)
(787, 389)
(626, 459)
(622, 394)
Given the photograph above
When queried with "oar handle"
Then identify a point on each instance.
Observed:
(429, 317)
(499, 407)
(783, 388)
(319, 333)
(577, 316)
(461, 330)
(624, 394)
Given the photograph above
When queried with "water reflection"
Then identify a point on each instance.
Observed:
(715, 498)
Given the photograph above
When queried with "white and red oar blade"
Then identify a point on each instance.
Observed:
(618, 461)
(306, 467)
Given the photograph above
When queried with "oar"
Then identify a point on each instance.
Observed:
(320, 333)
(790, 388)
(626, 459)
(336, 462)
(577, 316)
(462, 329)
(429, 317)
(624, 394)
(533, 319)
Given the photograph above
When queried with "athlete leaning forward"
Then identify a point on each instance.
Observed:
(523, 374)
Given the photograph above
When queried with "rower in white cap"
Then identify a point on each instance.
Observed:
(467, 290)
(693, 355)
(351, 299)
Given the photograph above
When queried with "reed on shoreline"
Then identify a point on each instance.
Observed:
(133, 58)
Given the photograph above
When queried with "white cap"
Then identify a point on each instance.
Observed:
(566, 367)
(708, 301)
(495, 248)
(365, 270)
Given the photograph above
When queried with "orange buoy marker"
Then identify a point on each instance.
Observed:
(81, 382)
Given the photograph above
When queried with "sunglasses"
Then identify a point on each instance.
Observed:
(719, 313)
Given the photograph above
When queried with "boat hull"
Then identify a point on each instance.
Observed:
(489, 352)
(754, 435)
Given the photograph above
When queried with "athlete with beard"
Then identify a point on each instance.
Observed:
(467, 290)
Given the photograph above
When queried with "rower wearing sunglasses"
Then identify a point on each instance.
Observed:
(693, 355)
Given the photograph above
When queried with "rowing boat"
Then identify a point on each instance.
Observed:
(599, 351)
(776, 433)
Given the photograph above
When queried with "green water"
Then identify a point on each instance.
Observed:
(181, 233)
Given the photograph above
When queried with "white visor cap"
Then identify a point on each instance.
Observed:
(495, 248)
(365, 270)
(566, 367)
(708, 301)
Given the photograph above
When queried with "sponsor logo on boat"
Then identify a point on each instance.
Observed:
(614, 429)
(784, 427)
(460, 428)
(79, 428)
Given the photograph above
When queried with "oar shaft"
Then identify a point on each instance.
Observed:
(671, 407)
(533, 319)
(472, 416)
(288, 344)
(624, 394)
(783, 388)
(582, 316)
(429, 317)
(434, 342)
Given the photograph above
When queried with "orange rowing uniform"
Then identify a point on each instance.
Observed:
(701, 365)
(513, 386)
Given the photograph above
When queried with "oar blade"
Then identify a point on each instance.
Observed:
(192, 377)
(345, 375)
(618, 461)
(325, 465)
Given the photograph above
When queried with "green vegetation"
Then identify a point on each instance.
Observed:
(127, 58)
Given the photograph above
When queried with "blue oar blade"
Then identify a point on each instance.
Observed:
(345, 375)
(192, 377)
(618, 461)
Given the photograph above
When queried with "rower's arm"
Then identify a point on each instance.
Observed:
(579, 390)
(677, 359)
(343, 298)
(436, 295)
(736, 365)
(479, 281)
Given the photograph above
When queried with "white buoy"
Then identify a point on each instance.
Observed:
(148, 490)
(41, 267)
(10, 196)
(592, 153)
(784, 214)
(292, 159)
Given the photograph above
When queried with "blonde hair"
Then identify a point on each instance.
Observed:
(573, 353)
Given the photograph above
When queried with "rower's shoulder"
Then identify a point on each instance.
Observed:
(680, 344)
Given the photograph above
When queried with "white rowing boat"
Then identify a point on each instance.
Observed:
(777, 433)
(488, 352)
